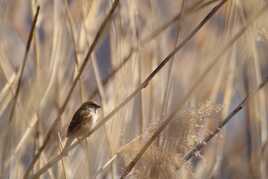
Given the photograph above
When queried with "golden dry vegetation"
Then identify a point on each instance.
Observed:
(182, 85)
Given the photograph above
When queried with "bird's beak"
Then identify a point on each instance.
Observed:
(98, 106)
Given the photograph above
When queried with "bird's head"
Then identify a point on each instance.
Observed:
(91, 106)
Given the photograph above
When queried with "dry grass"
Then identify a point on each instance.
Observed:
(182, 84)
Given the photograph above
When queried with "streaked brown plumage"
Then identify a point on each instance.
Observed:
(81, 122)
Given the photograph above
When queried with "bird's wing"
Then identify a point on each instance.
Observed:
(79, 119)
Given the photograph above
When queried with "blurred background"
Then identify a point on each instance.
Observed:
(139, 35)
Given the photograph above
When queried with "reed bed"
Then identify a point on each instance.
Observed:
(182, 85)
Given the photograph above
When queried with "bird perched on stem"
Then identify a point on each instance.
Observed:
(82, 122)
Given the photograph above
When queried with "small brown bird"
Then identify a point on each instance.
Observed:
(81, 122)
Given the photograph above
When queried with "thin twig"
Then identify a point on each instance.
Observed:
(28, 45)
